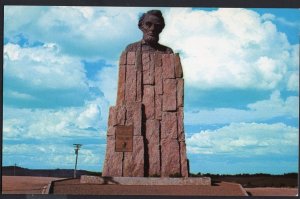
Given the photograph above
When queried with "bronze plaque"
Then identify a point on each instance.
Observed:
(124, 138)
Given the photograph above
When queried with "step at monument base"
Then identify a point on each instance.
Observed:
(87, 179)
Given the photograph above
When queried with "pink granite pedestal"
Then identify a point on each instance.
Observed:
(150, 98)
(86, 179)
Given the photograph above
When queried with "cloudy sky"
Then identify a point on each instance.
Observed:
(241, 70)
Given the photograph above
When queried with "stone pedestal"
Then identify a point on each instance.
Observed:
(86, 179)
(150, 98)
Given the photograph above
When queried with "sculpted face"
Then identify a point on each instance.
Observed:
(151, 27)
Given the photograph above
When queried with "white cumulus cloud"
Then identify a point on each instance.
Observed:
(235, 48)
(293, 82)
(106, 80)
(87, 32)
(43, 67)
(262, 110)
(43, 124)
(90, 116)
(246, 139)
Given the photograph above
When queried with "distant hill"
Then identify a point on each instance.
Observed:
(256, 180)
(60, 173)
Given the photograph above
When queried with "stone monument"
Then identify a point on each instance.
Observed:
(145, 136)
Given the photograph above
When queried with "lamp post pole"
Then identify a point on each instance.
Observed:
(77, 147)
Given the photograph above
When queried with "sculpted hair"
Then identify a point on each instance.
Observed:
(156, 13)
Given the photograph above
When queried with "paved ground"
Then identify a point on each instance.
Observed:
(35, 185)
(24, 184)
(269, 191)
(220, 189)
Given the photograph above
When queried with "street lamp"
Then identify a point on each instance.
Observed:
(77, 147)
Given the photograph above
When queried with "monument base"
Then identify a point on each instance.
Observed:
(87, 179)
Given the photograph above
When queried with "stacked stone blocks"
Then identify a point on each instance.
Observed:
(150, 97)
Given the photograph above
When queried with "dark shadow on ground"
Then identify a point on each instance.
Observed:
(249, 194)
(215, 183)
(109, 180)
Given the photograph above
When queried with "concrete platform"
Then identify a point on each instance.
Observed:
(272, 191)
(87, 179)
(74, 187)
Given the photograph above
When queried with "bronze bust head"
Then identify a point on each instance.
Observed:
(151, 24)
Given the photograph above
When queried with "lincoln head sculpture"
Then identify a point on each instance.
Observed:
(151, 24)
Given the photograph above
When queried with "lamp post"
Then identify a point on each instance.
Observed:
(77, 147)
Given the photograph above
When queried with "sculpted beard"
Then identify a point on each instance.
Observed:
(151, 39)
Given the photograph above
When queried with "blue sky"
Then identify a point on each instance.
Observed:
(241, 70)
